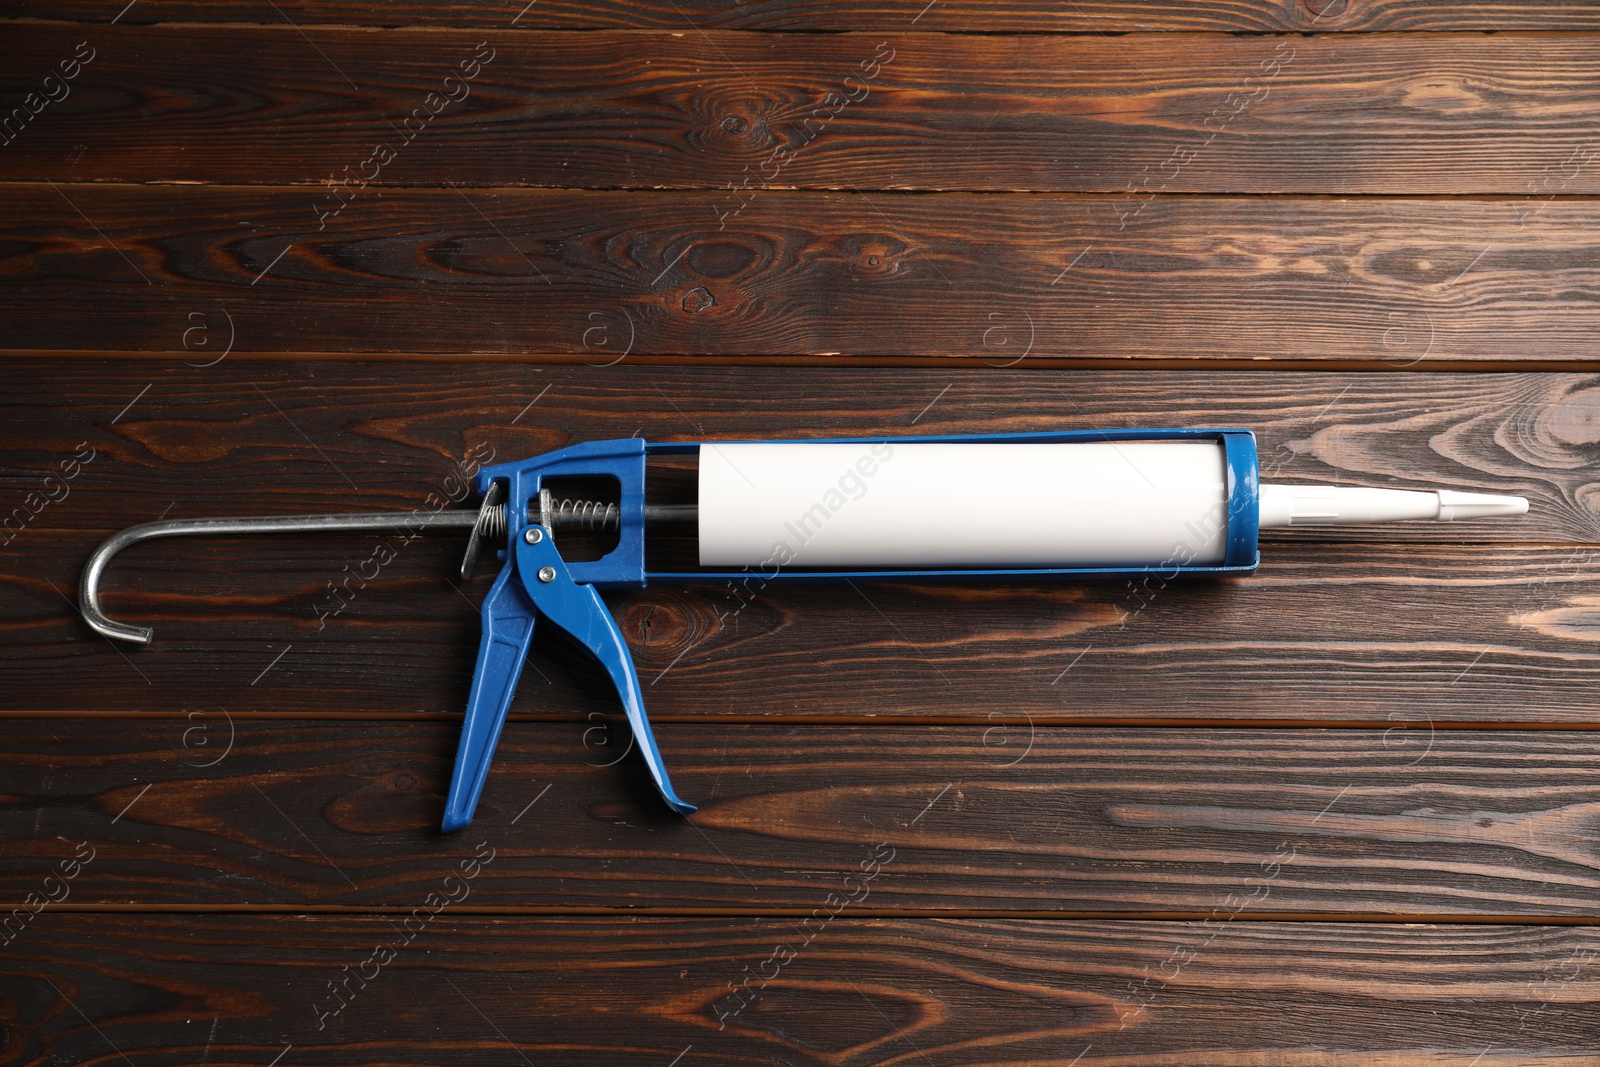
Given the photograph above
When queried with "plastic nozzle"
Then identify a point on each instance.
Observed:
(1336, 505)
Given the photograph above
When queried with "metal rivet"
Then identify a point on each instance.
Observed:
(533, 535)
(547, 574)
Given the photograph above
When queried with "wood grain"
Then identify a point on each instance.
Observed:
(999, 816)
(179, 438)
(971, 16)
(1005, 282)
(1137, 115)
(1103, 823)
(229, 989)
(1323, 634)
(1419, 622)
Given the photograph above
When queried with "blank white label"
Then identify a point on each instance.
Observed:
(910, 505)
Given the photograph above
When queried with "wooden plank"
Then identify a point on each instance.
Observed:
(231, 989)
(1015, 16)
(990, 280)
(1382, 624)
(1325, 633)
(1137, 115)
(165, 437)
(999, 816)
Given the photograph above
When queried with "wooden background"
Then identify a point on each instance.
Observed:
(1344, 812)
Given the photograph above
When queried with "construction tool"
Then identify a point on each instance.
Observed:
(1068, 504)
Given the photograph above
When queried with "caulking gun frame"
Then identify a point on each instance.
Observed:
(623, 567)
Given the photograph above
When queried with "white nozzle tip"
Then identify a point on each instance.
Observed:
(1337, 505)
(1454, 505)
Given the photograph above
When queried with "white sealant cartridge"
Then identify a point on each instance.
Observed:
(1087, 502)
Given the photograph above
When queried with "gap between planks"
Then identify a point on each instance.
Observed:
(917, 722)
(840, 360)
(534, 911)
(498, 26)
(775, 188)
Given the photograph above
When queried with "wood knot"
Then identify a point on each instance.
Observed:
(1326, 9)
(875, 255)
(1441, 94)
(1575, 418)
(735, 125)
(667, 623)
(697, 300)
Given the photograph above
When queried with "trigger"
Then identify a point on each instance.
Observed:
(577, 611)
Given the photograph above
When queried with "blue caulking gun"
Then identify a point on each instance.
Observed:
(1069, 504)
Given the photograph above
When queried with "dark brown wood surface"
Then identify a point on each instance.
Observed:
(970, 16)
(282, 437)
(1135, 116)
(1325, 633)
(287, 437)
(1476, 622)
(1000, 282)
(999, 816)
(466, 990)
(1344, 811)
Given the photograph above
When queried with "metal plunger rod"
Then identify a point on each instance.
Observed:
(592, 515)
(490, 520)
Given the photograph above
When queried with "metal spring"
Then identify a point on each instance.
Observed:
(585, 514)
(567, 514)
(492, 521)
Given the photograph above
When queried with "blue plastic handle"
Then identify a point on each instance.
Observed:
(508, 617)
(535, 582)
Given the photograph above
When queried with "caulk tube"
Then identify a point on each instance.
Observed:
(1077, 502)
(1093, 501)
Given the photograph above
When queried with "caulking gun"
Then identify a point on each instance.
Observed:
(1067, 504)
